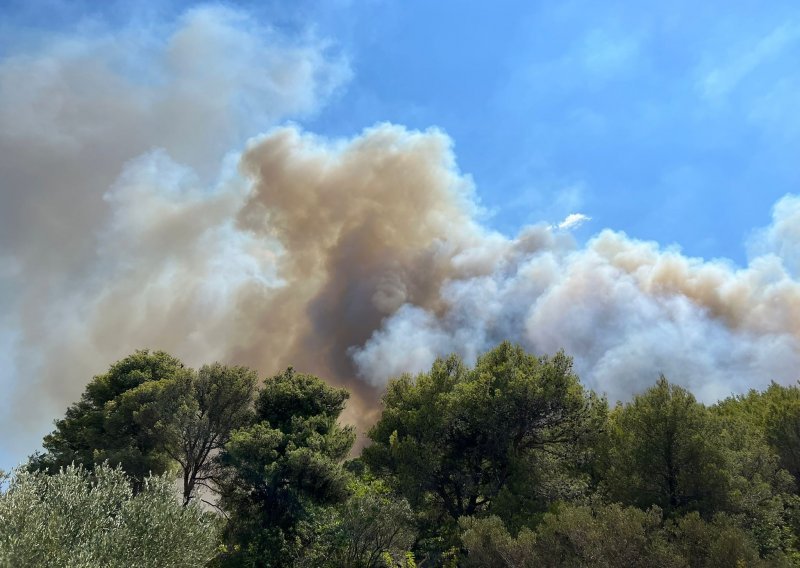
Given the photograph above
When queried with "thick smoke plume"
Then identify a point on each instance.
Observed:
(135, 215)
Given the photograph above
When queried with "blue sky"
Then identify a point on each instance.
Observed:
(677, 123)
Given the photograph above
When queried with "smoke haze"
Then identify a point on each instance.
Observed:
(182, 212)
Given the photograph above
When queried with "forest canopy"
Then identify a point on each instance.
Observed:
(508, 462)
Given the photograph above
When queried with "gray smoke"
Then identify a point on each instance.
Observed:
(134, 215)
(119, 194)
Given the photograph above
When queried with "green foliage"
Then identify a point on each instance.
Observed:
(81, 518)
(610, 536)
(149, 413)
(489, 544)
(455, 440)
(372, 529)
(776, 413)
(759, 490)
(192, 417)
(665, 452)
(376, 525)
(102, 427)
(406, 561)
(292, 395)
(603, 536)
(717, 544)
(511, 463)
(600, 536)
(282, 472)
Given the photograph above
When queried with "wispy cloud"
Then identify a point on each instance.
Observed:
(727, 75)
(573, 221)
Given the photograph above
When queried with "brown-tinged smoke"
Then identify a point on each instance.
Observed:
(134, 215)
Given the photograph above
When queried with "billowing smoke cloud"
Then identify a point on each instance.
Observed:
(135, 215)
(117, 219)
(625, 309)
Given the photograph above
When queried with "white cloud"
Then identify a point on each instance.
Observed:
(573, 221)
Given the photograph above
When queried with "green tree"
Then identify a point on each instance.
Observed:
(776, 413)
(488, 544)
(282, 474)
(192, 417)
(604, 536)
(371, 526)
(374, 523)
(149, 413)
(599, 536)
(668, 450)
(610, 536)
(85, 518)
(102, 426)
(760, 490)
(454, 439)
(783, 426)
(719, 543)
(665, 452)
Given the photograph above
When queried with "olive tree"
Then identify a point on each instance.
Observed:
(85, 518)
